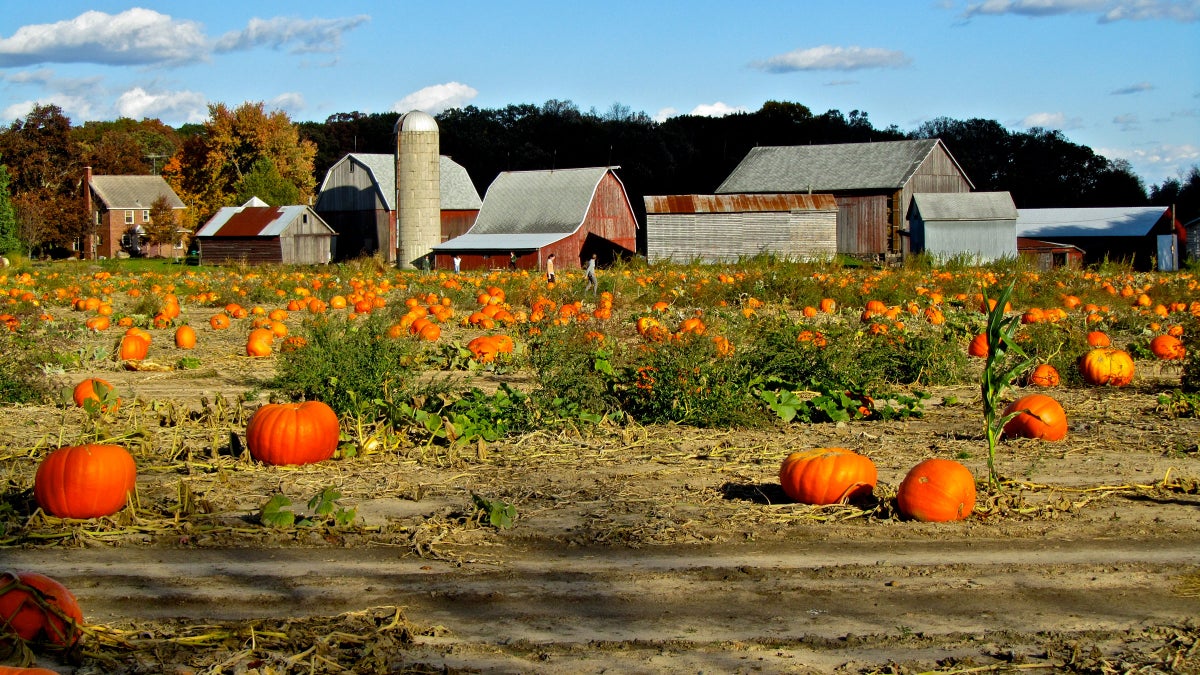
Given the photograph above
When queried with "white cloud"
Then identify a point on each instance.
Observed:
(172, 107)
(1127, 122)
(134, 37)
(437, 98)
(1133, 89)
(290, 102)
(1185, 11)
(828, 57)
(665, 114)
(306, 35)
(1159, 162)
(1050, 120)
(717, 109)
(16, 111)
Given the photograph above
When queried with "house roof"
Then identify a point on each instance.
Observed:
(458, 193)
(964, 206)
(255, 221)
(500, 242)
(1134, 221)
(828, 168)
(739, 203)
(133, 192)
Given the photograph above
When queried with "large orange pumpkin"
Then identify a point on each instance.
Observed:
(1042, 418)
(185, 337)
(1168, 348)
(484, 348)
(827, 476)
(1107, 366)
(293, 433)
(134, 346)
(85, 481)
(1098, 338)
(259, 342)
(979, 346)
(1045, 375)
(35, 607)
(937, 490)
(98, 390)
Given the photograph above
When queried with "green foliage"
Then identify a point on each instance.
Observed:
(1179, 403)
(9, 242)
(21, 361)
(838, 405)
(572, 373)
(499, 513)
(324, 511)
(459, 420)
(265, 182)
(1000, 372)
(1189, 380)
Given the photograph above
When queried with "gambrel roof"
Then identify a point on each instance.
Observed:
(831, 168)
(257, 221)
(458, 193)
(133, 192)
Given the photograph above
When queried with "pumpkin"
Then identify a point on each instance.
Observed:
(185, 337)
(978, 346)
(293, 433)
(1045, 375)
(936, 491)
(1098, 339)
(98, 390)
(1107, 366)
(1042, 417)
(1167, 348)
(134, 347)
(259, 342)
(85, 481)
(484, 348)
(827, 476)
(35, 607)
(17, 670)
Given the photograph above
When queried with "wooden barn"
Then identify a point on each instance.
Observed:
(1147, 237)
(358, 200)
(1047, 255)
(872, 182)
(572, 213)
(256, 233)
(725, 228)
(979, 226)
(119, 207)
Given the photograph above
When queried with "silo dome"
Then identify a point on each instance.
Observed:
(415, 120)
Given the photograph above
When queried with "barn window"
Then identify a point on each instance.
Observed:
(128, 217)
(305, 219)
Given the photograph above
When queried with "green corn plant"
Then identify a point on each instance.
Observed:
(998, 374)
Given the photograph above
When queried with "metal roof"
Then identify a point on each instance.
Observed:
(963, 206)
(133, 192)
(739, 203)
(828, 168)
(458, 192)
(500, 242)
(255, 221)
(1131, 221)
(538, 202)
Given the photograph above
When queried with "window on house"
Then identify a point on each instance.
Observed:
(145, 216)
(129, 217)
(305, 218)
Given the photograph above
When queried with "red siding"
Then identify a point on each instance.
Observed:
(456, 223)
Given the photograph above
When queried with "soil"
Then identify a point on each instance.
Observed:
(635, 549)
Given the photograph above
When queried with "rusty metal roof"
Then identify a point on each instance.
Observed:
(739, 203)
(256, 221)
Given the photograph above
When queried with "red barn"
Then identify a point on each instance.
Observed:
(572, 213)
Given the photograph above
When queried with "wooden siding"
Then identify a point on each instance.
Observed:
(862, 227)
(301, 243)
(726, 237)
(251, 250)
(610, 216)
(938, 173)
(355, 190)
(456, 223)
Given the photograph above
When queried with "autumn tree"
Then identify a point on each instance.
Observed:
(125, 147)
(45, 178)
(162, 229)
(207, 170)
(8, 217)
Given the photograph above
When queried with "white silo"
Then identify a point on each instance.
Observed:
(418, 187)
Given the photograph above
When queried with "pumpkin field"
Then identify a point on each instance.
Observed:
(767, 466)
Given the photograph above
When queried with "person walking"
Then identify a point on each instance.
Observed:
(550, 269)
(512, 260)
(590, 274)
(457, 263)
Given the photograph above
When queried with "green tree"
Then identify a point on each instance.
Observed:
(8, 217)
(163, 228)
(265, 182)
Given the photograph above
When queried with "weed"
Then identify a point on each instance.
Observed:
(324, 509)
(499, 513)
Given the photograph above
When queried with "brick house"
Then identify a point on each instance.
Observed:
(119, 208)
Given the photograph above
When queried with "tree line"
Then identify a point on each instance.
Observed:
(249, 151)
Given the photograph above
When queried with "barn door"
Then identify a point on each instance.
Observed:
(1168, 253)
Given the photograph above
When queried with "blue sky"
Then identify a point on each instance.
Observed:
(1120, 76)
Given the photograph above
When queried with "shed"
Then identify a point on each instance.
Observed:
(981, 226)
(358, 200)
(119, 208)
(872, 182)
(572, 213)
(1192, 239)
(725, 228)
(256, 233)
(1147, 237)
(1047, 255)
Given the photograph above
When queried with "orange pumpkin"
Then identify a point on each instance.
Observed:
(98, 390)
(1168, 348)
(1042, 417)
(85, 481)
(293, 433)
(35, 607)
(827, 476)
(484, 348)
(1045, 375)
(979, 346)
(17, 670)
(185, 337)
(134, 346)
(1107, 366)
(259, 342)
(937, 490)
(1098, 339)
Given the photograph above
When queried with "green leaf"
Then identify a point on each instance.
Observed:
(323, 503)
(273, 513)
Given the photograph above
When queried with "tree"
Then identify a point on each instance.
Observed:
(1183, 193)
(264, 182)
(125, 147)
(162, 228)
(8, 216)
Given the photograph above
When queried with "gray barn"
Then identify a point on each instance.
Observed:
(724, 228)
(981, 226)
(257, 233)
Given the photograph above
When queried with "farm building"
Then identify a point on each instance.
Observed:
(572, 213)
(120, 213)
(981, 226)
(724, 228)
(358, 200)
(872, 182)
(1145, 236)
(1192, 229)
(1047, 255)
(256, 233)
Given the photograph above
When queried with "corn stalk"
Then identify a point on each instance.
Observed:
(998, 376)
